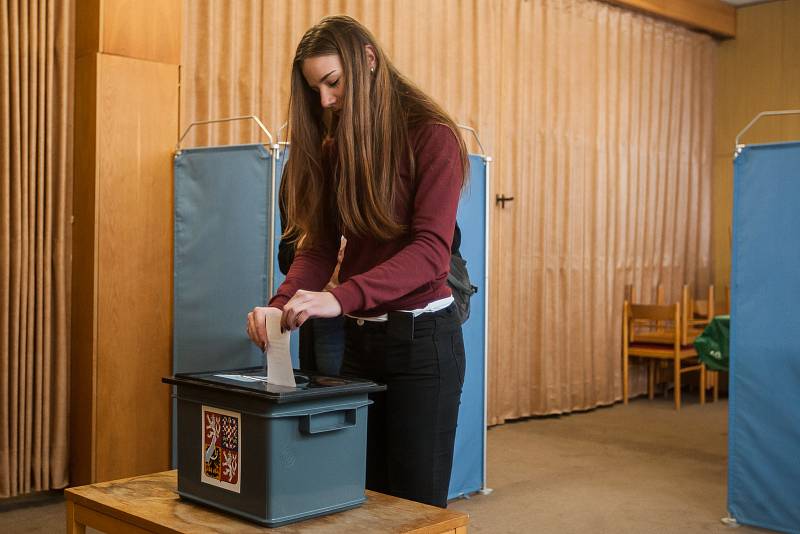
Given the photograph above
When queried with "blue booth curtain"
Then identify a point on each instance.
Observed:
(764, 409)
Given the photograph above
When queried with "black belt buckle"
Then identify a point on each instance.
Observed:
(400, 325)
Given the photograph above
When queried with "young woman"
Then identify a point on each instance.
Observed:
(376, 160)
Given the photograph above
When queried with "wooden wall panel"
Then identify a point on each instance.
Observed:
(150, 30)
(144, 29)
(138, 103)
(87, 27)
(126, 126)
(84, 269)
(758, 71)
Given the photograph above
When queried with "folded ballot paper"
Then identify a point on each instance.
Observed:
(279, 360)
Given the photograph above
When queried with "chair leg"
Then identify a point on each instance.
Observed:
(716, 385)
(677, 384)
(702, 383)
(651, 379)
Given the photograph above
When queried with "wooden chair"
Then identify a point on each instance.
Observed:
(679, 354)
(712, 381)
(695, 314)
(630, 293)
(727, 300)
(651, 331)
(698, 312)
(695, 317)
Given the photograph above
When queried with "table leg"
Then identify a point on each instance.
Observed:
(73, 527)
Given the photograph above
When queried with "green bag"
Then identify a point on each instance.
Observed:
(713, 344)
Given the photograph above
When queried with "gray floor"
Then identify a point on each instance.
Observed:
(641, 468)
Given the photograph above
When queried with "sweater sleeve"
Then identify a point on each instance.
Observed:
(311, 269)
(438, 182)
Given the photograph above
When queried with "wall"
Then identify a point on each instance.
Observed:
(126, 126)
(757, 71)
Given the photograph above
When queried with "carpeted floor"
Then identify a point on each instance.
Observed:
(641, 468)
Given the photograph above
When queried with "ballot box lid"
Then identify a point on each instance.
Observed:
(251, 381)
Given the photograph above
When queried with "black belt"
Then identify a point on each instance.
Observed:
(401, 324)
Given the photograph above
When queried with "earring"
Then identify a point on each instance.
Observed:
(372, 70)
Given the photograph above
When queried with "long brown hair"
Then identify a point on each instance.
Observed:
(371, 135)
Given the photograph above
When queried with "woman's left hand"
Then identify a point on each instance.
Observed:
(306, 305)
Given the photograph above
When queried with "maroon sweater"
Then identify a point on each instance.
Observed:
(408, 272)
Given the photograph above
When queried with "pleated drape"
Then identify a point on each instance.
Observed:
(607, 121)
(599, 122)
(36, 59)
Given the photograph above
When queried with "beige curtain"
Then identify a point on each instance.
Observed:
(606, 121)
(36, 44)
(599, 122)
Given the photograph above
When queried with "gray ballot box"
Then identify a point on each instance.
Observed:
(268, 453)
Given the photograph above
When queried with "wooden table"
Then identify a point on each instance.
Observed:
(150, 503)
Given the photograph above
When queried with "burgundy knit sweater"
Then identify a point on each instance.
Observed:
(406, 273)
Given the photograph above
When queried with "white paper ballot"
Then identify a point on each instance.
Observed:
(279, 360)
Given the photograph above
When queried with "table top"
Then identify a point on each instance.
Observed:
(152, 502)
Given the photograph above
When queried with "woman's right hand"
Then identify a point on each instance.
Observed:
(257, 325)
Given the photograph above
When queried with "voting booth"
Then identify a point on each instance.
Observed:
(764, 424)
(226, 235)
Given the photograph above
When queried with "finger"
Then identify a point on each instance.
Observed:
(261, 330)
(290, 310)
(283, 314)
(301, 318)
(294, 309)
(303, 313)
(254, 331)
(287, 319)
(251, 328)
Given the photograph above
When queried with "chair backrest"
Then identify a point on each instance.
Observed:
(687, 303)
(704, 309)
(660, 300)
(646, 314)
(630, 293)
(695, 309)
(662, 312)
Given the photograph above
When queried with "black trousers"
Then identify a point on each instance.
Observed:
(412, 425)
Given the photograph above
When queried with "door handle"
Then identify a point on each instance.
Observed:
(502, 199)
